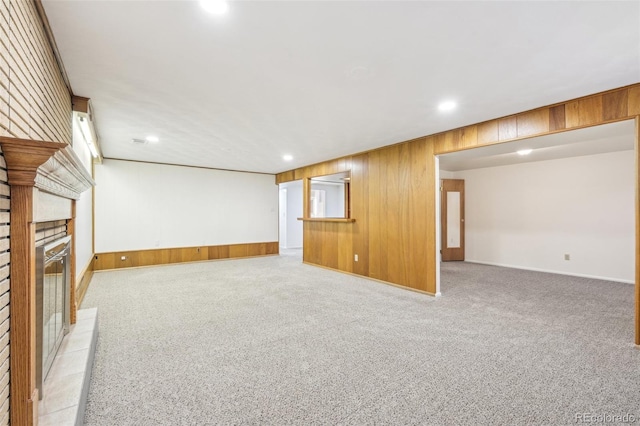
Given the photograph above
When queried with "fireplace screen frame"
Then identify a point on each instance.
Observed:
(56, 252)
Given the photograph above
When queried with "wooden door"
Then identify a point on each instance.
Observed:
(452, 219)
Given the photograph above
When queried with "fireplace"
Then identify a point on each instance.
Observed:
(44, 179)
(53, 267)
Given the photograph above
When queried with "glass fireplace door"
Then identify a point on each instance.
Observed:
(52, 289)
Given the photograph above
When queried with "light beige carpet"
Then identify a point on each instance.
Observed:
(271, 341)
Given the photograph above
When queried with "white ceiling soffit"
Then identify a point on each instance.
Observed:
(612, 137)
(322, 79)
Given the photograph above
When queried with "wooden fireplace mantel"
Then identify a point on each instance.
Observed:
(51, 167)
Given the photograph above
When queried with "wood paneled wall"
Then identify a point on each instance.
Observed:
(392, 200)
(135, 258)
(35, 103)
(393, 191)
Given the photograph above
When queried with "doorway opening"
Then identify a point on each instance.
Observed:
(290, 209)
(567, 206)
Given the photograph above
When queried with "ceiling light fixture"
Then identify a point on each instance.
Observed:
(89, 134)
(152, 139)
(447, 106)
(524, 151)
(287, 157)
(215, 7)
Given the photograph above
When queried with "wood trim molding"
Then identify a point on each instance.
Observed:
(71, 231)
(152, 257)
(83, 282)
(306, 197)
(80, 104)
(328, 219)
(63, 174)
(50, 166)
(637, 161)
(23, 392)
(427, 293)
(24, 157)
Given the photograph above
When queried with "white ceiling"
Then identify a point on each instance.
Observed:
(612, 137)
(318, 80)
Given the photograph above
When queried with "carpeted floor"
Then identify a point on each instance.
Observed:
(272, 341)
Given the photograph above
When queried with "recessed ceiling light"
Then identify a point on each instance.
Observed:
(152, 139)
(215, 7)
(287, 157)
(447, 106)
(524, 151)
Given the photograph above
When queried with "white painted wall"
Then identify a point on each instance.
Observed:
(84, 211)
(529, 215)
(293, 212)
(334, 198)
(445, 174)
(145, 206)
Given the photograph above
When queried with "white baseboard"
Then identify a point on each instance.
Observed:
(526, 268)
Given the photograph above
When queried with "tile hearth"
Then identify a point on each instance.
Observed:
(67, 385)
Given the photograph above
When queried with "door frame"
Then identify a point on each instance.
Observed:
(282, 223)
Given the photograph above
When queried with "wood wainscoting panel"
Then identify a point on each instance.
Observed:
(557, 119)
(507, 128)
(391, 225)
(377, 191)
(218, 252)
(585, 112)
(359, 208)
(420, 189)
(394, 232)
(633, 101)
(285, 177)
(332, 244)
(152, 257)
(532, 123)
(468, 136)
(238, 250)
(487, 132)
(615, 105)
(104, 261)
(345, 248)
